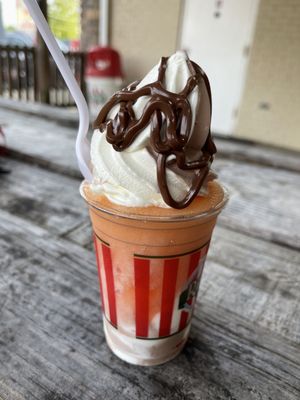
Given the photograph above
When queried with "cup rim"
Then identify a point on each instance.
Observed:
(158, 218)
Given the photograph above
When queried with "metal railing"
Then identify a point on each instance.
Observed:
(19, 75)
(59, 94)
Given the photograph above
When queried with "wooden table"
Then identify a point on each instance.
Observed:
(244, 342)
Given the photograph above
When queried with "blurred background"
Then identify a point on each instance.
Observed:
(245, 339)
(250, 50)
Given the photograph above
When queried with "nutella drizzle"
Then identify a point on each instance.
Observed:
(169, 135)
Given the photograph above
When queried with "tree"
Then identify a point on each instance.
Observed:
(64, 18)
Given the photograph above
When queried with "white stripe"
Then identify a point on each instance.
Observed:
(156, 281)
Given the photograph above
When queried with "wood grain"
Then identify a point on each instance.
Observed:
(264, 202)
(245, 338)
(255, 280)
(45, 135)
(254, 153)
(65, 116)
(229, 148)
(41, 141)
(48, 199)
(51, 328)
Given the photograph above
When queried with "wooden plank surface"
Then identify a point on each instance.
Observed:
(264, 202)
(52, 202)
(257, 153)
(48, 199)
(258, 193)
(41, 141)
(245, 338)
(68, 117)
(52, 343)
(46, 135)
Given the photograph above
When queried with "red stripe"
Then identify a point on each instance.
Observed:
(183, 319)
(142, 286)
(194, 261)
(168, 296)
(99, 275)
(110, 283)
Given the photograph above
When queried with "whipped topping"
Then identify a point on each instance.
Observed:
(129, 177)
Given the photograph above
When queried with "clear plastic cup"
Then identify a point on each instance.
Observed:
(149, 271)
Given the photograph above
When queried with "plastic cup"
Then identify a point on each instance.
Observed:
(149, 272)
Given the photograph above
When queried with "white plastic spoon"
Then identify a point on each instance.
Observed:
(82, 144)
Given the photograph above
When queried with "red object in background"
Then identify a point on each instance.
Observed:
(103, 62)
(103, 76)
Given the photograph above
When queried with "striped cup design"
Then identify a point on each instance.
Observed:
(158, 294)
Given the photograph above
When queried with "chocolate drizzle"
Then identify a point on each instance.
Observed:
(170, 116)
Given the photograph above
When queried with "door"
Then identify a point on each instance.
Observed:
(217, 35)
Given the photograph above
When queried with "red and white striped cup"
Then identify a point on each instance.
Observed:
(149, 272)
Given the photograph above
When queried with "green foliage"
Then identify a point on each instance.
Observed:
(9, 28)
(64, 18)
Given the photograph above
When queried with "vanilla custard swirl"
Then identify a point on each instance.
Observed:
(170, 117)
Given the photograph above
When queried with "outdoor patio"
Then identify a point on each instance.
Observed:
(244, 341)
(245, 337)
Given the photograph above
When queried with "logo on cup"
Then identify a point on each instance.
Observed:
(189, 294)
